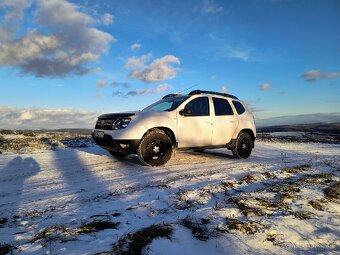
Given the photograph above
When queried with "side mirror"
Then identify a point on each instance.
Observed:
(185, 112)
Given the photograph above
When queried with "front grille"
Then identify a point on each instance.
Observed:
(105, 124)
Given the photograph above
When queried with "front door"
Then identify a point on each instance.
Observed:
(195, 129)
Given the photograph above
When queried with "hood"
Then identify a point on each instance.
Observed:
(116, 115)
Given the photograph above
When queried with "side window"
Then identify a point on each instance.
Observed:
(199, 106)
(239, 107)
(222, 107)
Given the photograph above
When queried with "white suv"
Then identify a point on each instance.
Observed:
(200, 120)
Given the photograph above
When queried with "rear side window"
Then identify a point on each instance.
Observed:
(199, 106)
(222, 107)
(239, 107)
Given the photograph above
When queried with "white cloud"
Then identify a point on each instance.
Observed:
(12, 18)
(330, 75)
(137, 62)
(311, 75)
(38, 118)
(224, 89)
(265, 86)
(314, 75)
(135, 46)
(120, 84)
(159, 70)
(163, 87)
(101, 84)
(138, 92)
(69, 47)
(98, 95)
(210, 7)
(233, 53)
(107, 19)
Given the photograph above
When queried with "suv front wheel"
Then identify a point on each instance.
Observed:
(243, 146)
(155, 148)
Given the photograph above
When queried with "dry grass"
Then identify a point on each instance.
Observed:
(21, 142)
(248, 228)
(269, 175)
(248, 179)
(312, 179)
(332, 192)
(6, 248)
(63, 234)
(276, 239)
(198, 230)
(296, 169)
(304, 215)
(96, 226)
(135, 243)
(318, 204)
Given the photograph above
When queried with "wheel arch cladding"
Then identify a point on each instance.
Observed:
(167, 131)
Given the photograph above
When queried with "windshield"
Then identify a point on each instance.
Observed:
(166, 105)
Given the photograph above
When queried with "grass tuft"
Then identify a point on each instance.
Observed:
(198, 230)
(332, 192)
(135, 243)
(6, 248)
(96, 226)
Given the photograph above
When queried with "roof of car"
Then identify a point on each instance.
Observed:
(198, 92)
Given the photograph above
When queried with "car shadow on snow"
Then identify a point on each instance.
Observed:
(19, 169)
(80, 178)
(13, 178)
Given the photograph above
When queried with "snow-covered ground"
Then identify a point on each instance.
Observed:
(284, 199)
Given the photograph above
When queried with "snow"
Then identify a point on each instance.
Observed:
(66, 188)
(285, 134)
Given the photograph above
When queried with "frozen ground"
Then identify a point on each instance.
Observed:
(284, 199)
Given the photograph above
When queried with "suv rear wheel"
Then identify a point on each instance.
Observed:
(155, 148)
(243, 146)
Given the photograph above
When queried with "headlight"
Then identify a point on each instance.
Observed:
(120, 123)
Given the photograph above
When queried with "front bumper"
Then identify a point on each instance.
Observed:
(128, 146)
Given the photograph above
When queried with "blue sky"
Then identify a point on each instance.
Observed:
(59, 58)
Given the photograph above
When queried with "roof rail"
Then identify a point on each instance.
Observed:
(196, 92)
(169, 95)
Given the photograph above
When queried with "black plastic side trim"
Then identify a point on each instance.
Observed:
(203, 147)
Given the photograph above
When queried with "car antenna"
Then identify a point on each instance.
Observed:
(187, 88)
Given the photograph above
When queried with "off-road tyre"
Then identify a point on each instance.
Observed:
(118, 154)
(155, 148)
(243, 146)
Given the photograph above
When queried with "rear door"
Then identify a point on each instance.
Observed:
(225, 121)
(196, 129)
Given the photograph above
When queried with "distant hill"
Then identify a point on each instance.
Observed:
(299, 119)
(314, 127)
(81, 131)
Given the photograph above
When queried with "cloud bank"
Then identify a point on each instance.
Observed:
(65, 41)
(38, 118)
